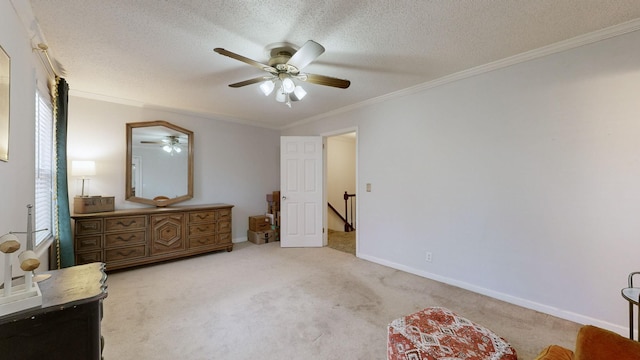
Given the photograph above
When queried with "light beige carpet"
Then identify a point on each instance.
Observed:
(266, 302)
(342, 241)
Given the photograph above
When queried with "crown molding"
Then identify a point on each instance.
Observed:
(141, 104)
(575, 42)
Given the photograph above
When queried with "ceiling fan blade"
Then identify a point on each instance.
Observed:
(306, 54)
(325, 80)
(250, 81)
(246, 60)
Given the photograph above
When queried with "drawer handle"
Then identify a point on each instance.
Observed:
(131, 237)
(202, 229)
(132, 222)
(91, 226)
(122, 253)
(201, 217)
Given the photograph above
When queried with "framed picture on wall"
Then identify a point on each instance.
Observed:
(5, 75)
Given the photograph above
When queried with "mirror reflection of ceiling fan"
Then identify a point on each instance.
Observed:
(285, 66)
(170, 144)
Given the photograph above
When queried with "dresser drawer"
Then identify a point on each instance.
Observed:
(125, 223)
(202, 216)
(202, 229)
(224, 238)
(92, 242)
(197, 241)
(224, 226)
(89, 257)
(88, 226)
(125, 253)
(124, 238)
(224, 214)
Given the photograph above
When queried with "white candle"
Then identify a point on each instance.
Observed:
(28, 262)
(28, 281)
(8, 244)
(7, 275)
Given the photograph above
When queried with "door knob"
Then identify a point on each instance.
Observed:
(284, 198)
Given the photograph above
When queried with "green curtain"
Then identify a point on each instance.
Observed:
(64, 238)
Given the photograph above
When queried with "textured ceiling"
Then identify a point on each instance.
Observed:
(160, 52)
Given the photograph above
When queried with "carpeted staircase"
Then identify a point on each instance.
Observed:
(343, 241)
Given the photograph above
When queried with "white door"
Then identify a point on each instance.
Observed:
(301, 191)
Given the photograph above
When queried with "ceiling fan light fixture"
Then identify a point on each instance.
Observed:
(167, 148)
(267, 87)
(288, 85)
(298, 93)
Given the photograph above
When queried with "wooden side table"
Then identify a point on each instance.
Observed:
(632, 295)
(67, 326)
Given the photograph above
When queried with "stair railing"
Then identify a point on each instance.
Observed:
(349, 202)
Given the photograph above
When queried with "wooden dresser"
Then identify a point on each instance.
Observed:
(125, 238)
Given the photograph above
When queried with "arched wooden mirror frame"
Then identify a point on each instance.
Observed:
(157, 201)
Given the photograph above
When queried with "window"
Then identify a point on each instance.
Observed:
(43, 213)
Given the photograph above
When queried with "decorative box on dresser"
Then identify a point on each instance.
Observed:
(125, 238)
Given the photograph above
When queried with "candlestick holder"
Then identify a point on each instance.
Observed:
(14, 298)
(31, 243)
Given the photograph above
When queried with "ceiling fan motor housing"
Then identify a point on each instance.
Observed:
(280, 58)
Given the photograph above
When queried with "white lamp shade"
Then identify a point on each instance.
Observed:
(83, 168)
(298, 93)
(267, 87)
(288, 85)
(280, 96)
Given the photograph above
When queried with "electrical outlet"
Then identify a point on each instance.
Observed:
(427, 257)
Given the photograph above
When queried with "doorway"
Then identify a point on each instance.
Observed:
(340, 191)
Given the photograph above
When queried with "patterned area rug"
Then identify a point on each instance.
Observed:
(343, 241)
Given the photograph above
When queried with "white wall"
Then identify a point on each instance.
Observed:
(17, 176)
(233, 163)
(523, 182)
(341, 177)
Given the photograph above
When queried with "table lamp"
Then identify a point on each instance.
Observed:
(83, 168)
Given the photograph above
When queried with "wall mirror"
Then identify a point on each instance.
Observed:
(159, 163)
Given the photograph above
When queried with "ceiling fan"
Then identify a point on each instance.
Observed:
(169, 144)
(284, 66)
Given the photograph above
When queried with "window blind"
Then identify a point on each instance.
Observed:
(43, 209)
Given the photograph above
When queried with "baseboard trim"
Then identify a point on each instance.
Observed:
(532, 305)
(239, 240)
